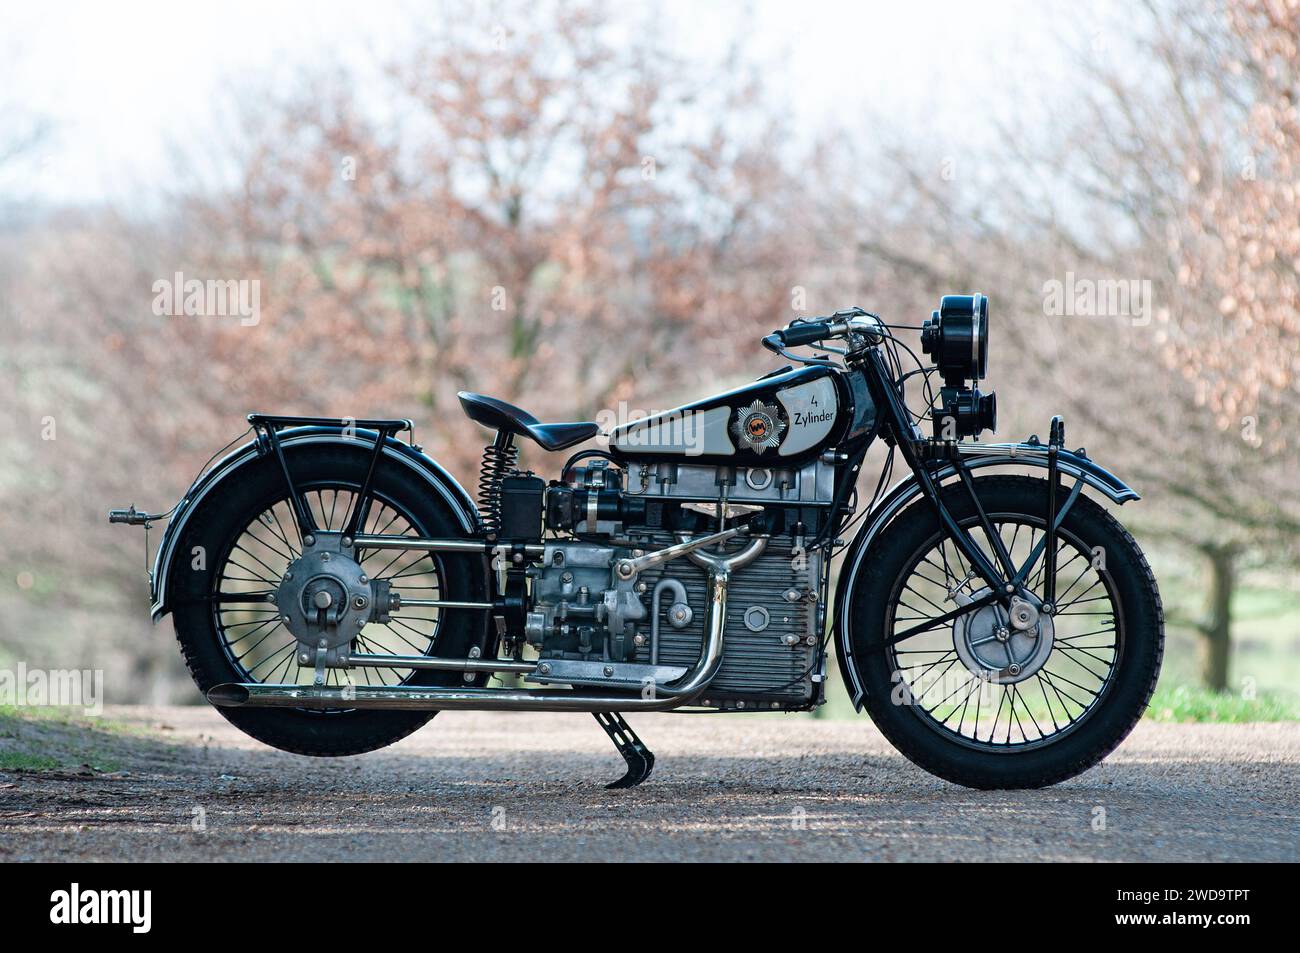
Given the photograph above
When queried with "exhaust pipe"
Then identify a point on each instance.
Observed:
(429, 698)
(228, 695)
(420, 698)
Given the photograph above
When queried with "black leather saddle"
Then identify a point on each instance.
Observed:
(498, 415)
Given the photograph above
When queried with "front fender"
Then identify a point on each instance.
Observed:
(438, 479)
(976, 456)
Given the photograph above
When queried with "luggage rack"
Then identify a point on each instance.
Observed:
(268, 427)
(279, 421)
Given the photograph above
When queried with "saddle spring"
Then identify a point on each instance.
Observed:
(498, 462)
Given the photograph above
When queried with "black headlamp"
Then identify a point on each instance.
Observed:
(957, 337)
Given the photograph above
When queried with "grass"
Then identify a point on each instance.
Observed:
(75, 718)
(40, 713)
(14, 761)
(58, 739)
(1189, 703)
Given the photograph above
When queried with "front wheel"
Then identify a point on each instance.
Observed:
(984, 702)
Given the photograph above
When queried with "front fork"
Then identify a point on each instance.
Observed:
(1005, 580)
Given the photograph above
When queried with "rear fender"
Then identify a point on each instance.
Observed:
(906, 491)
(438, 479)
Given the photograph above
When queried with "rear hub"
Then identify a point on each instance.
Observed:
(325, 596)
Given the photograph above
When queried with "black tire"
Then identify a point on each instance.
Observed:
(217, 523)
(1139, 624)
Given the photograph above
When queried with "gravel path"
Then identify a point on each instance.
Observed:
(501, 787)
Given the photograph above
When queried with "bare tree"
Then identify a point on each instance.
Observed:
(542, 210)
(1173, 167)
(552, 217)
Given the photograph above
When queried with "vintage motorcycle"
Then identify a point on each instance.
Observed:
(332, 587)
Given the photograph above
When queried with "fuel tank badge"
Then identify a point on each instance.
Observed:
(758, 426)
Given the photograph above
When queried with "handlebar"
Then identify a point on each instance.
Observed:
(850, 322)
(806, 332)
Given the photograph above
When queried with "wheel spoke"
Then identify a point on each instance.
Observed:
(285, 536)
(1071, 674)
(250, 629)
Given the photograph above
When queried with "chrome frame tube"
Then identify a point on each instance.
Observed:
(368, 541)
(627, 568)
(439, 604)
(436, 664)
(418, 543)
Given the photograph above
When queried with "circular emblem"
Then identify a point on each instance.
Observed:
(758, 426)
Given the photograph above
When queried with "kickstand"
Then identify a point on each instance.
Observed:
(640, 759)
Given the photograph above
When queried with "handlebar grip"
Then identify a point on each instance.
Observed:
(805, 333)
(773, 343)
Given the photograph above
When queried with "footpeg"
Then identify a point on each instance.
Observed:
(640, 759)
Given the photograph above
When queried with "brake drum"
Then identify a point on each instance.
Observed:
(992, 647)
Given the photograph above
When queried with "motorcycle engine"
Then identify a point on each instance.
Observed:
(592, 628)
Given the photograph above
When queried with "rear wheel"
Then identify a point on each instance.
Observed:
(237, 548)
(985, 702)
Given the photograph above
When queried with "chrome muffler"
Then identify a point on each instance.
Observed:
(430, 698)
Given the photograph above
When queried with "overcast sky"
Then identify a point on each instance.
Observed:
(123, 83)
